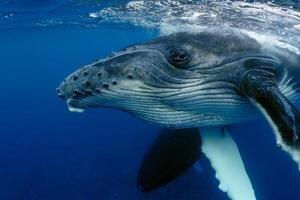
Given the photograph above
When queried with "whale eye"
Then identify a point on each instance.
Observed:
(178, 56)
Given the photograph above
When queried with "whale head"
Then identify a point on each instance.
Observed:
(170, 81)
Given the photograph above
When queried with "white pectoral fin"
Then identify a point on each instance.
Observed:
(261, 87)
(223, 153)
(292, 148)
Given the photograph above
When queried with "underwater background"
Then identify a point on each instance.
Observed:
(47, 152)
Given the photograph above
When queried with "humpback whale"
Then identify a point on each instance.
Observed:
(194, 84)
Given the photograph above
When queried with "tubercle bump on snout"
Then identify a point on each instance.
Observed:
(88, 81)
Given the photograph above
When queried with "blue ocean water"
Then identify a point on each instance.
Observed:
(48, 153)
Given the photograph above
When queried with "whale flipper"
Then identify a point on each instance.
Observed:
(225, 159)
(260, 87)
(171, 154)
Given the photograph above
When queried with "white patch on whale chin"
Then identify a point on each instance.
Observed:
(78, 110)
(73, 109)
